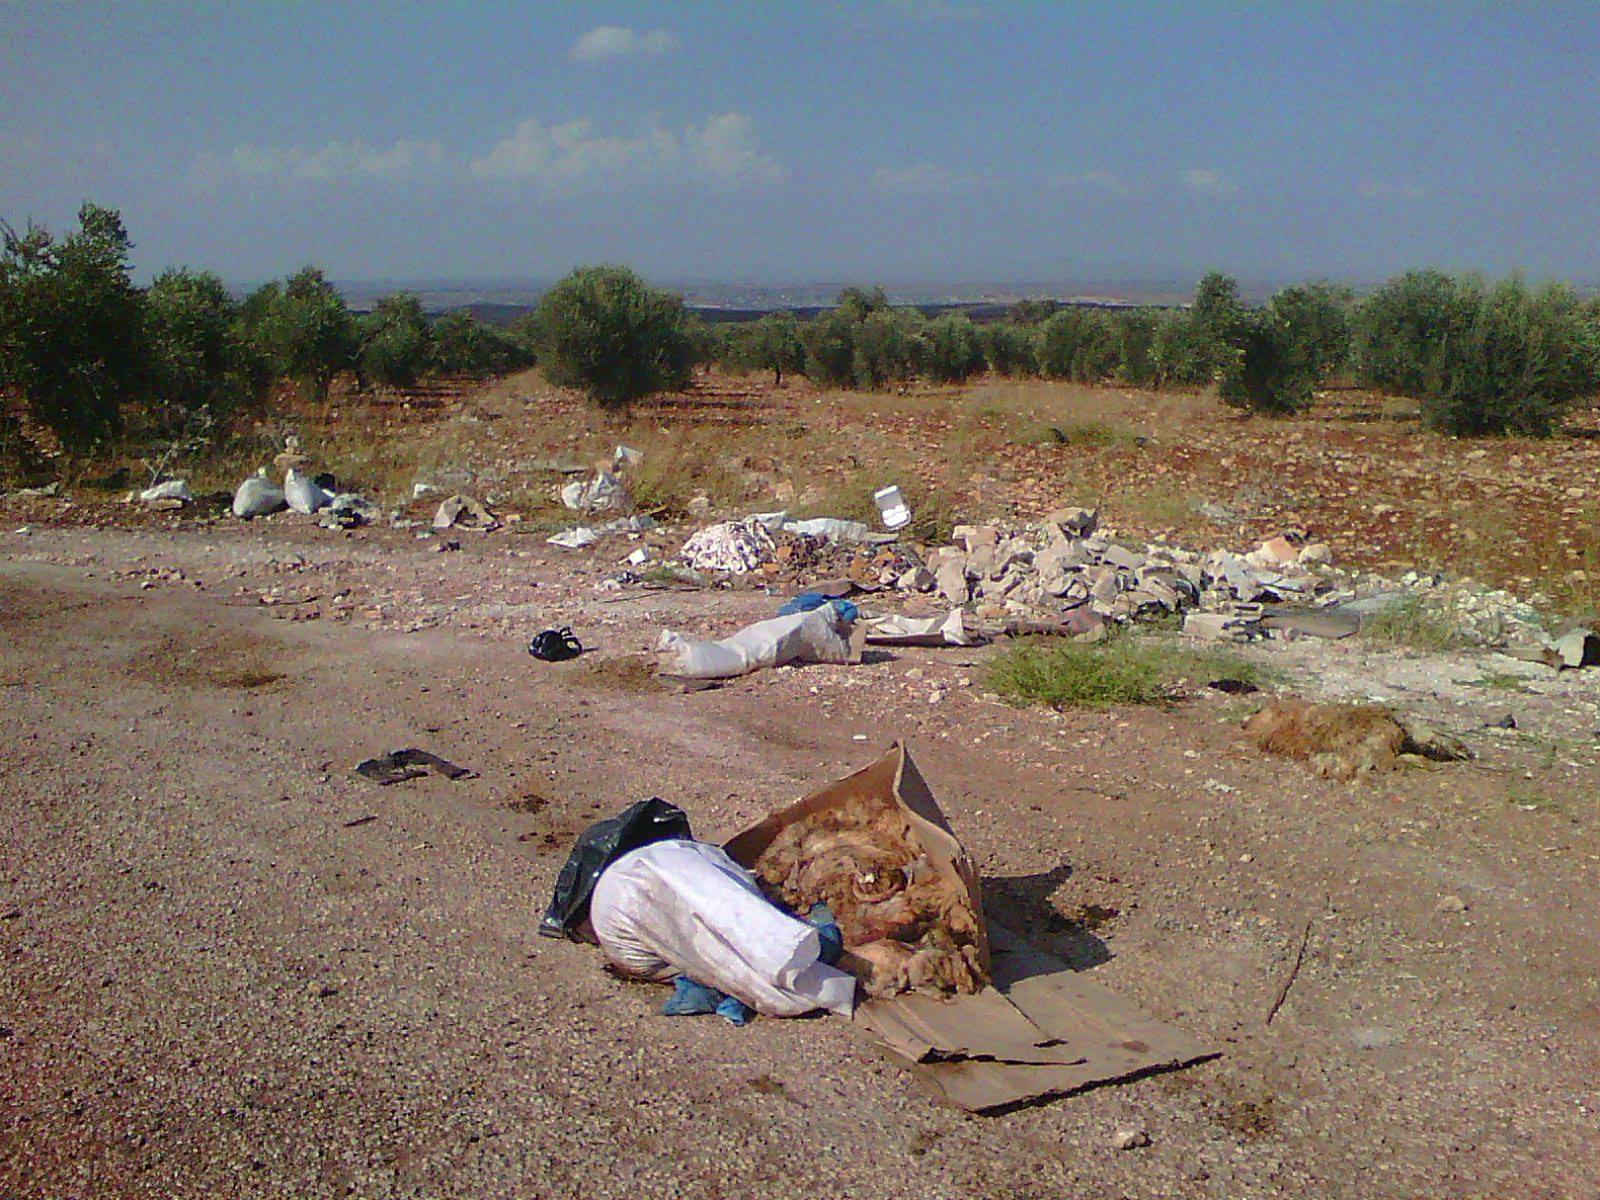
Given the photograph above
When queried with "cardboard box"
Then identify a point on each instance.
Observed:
(1040, 1029)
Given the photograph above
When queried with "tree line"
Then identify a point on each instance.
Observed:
(86, 350)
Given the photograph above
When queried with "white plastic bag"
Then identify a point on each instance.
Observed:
(678, 907)
(816, 636)
(172, 489)
(256, 497)
(304, 494)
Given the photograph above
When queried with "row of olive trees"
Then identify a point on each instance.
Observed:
(1479, 358)
(87, 350)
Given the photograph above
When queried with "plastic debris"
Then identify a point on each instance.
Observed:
(304, 494)
(604, 493)
(892, 507)
(463, 512)
(818, 636)
(256, 497)
(401, 765)
(575, 538)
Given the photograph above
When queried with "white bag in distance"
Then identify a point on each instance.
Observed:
(256, 497)
(304, 494)
(821, 636)
(678, 907)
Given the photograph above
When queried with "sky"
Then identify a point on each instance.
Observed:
(896, 141)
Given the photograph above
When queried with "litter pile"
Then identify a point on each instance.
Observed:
(774, 547)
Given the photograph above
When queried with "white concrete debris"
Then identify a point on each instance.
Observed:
(604, 493)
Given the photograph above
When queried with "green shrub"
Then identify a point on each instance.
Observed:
(1134, 334)
(1503, 360)
(71, 326)
(769, 344)
(1032, 311)
(199, 359)
(1527, 357)
(951, 350)
(830, 345)
(1405, 330)
(888, 347)
(1272, 372)
(463, 345)
(1065, 674)
(604, 330)
(1078, 344)
(303, 329)
(1316, 318)
(1010, 349)
(396, 342)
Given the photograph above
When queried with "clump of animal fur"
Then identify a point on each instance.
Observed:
(1343, 741)
(905, 926)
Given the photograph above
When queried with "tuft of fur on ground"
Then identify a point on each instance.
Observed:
(905, 926)
(1343, 741)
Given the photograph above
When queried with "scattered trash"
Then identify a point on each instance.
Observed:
(626, 456)
(401, 765)
(835, 529)
(892, 507)
(304, 494)
(1503, 721)
(575, 538)
(359, 821)
(897, 630)
(258, 496)
(680, 907)
(347, 510)
(555, 645)
(806, 601)
(172, 489)
(597, 847)
(1233, 687)
(639, 557)
(1037, 1029)
(463, 512)
(35, 493)
(604, 493)
(1343, 741)
(819, 636)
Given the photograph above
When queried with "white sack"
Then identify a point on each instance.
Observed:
(898, 630)
(815, 636)
(304, 494)
(679, 907)
(603, 493)
(256, 497)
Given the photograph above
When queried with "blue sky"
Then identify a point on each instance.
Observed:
(922, 140)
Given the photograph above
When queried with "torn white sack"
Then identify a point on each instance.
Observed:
(821, 636)
(680, 907)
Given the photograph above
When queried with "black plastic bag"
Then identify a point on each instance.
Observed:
(597, 848)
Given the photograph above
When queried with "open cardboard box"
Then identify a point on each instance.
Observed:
(1040, 1029)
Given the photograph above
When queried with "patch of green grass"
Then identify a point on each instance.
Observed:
(1076, 433)
(1122, 669)
(1503, 681)
(1416, 624)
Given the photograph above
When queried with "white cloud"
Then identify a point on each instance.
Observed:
(571, 156)
(923, 177)
(333, 162)
(1377, 189)
(621, 41)
(1208, 182)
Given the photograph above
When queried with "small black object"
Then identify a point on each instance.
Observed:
(1233, 687)
(555, 645)
(1505, 721)
(402, 765)
(597, 848)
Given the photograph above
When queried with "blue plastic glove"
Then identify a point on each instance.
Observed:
(691, 999)
(829, 934)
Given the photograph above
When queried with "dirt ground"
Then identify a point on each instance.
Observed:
(233, 968)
